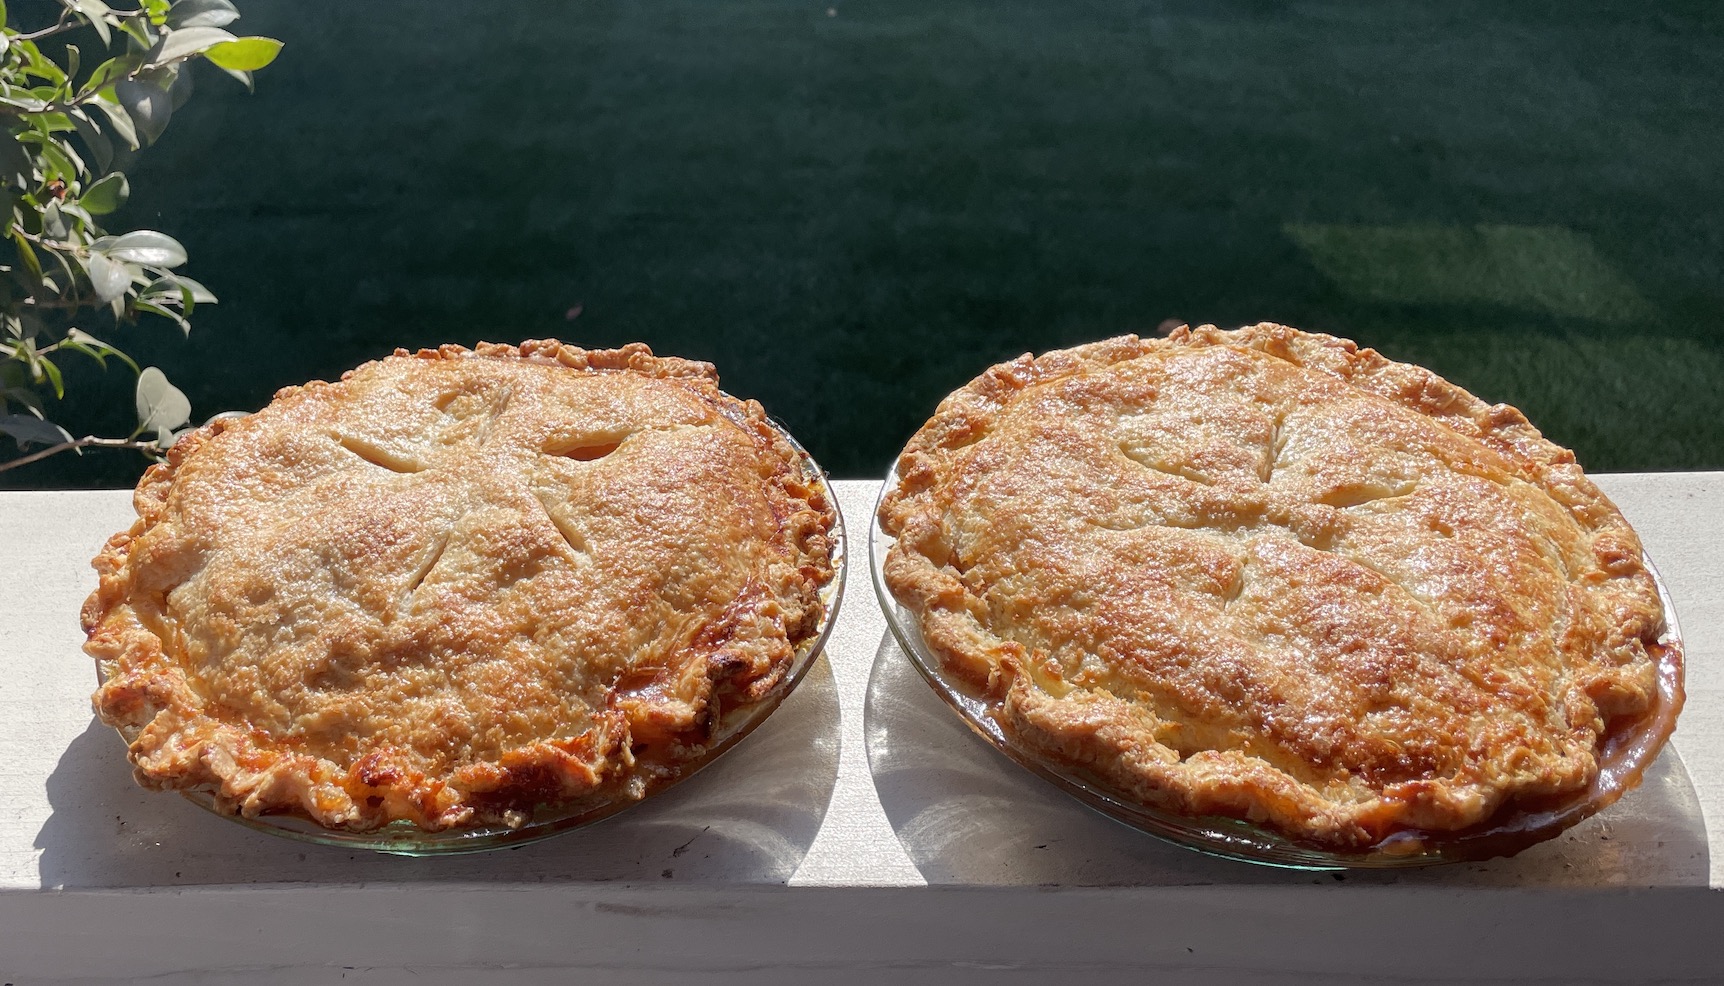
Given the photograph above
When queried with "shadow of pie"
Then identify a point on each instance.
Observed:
(461, 599)
(1278, 598)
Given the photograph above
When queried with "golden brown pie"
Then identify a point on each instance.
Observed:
(1268, 575)
(457, 585)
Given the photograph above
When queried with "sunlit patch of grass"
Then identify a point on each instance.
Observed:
(1531, 268)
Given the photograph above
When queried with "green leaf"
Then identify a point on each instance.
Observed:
(56, 162)
(148, 106)
(60, 257)
(200, 294)
(28, 104)
(119, 121)
(94, 11)
(54, 225)
(75, 209)
(185, 43)
(72, 56)
(49, 123)
(95, 348)
(167, 313)
(107, 278)
(26, 430)
(161, 405)
(90, 351)
(140, 29)
(32, 59)
(44, 368)
(41, 66)
(106, 195)
(245, 54)
(202, 13)
(22, 396)
(180, 89)
(28, 256)
(79, 170)
(160, 76)
(100, 147)
(114, 68)
(143, 246)
(243, 77)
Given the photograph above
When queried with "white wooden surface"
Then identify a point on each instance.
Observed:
(861, 831)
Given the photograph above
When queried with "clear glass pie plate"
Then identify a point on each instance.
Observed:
(406, 839)
(1625, 758)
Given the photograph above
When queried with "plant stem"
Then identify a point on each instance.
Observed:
(42, 241)
(66, 23)
(76, 101)
(88, 441)
(63, 24)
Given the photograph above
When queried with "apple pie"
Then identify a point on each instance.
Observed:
(459, 586)
(1270, 576)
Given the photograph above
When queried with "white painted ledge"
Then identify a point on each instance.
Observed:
(861, 831)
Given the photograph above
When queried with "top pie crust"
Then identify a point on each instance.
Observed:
(1269, 575)
(456, 585)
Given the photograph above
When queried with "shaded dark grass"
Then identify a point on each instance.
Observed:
(853, 209)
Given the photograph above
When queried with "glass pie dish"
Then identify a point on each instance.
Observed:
(1625, 758)
(732, 725)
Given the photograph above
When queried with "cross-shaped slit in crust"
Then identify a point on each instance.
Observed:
(1149, 460)
(378, 455)
(589, 452)
(576, 538)
(432, 557)
(1367, 491)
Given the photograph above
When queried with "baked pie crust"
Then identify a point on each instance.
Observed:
(458, 585)
(1268, 575)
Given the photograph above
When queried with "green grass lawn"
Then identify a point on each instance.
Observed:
(853, 209)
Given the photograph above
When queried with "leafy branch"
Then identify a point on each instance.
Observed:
(65, 131)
